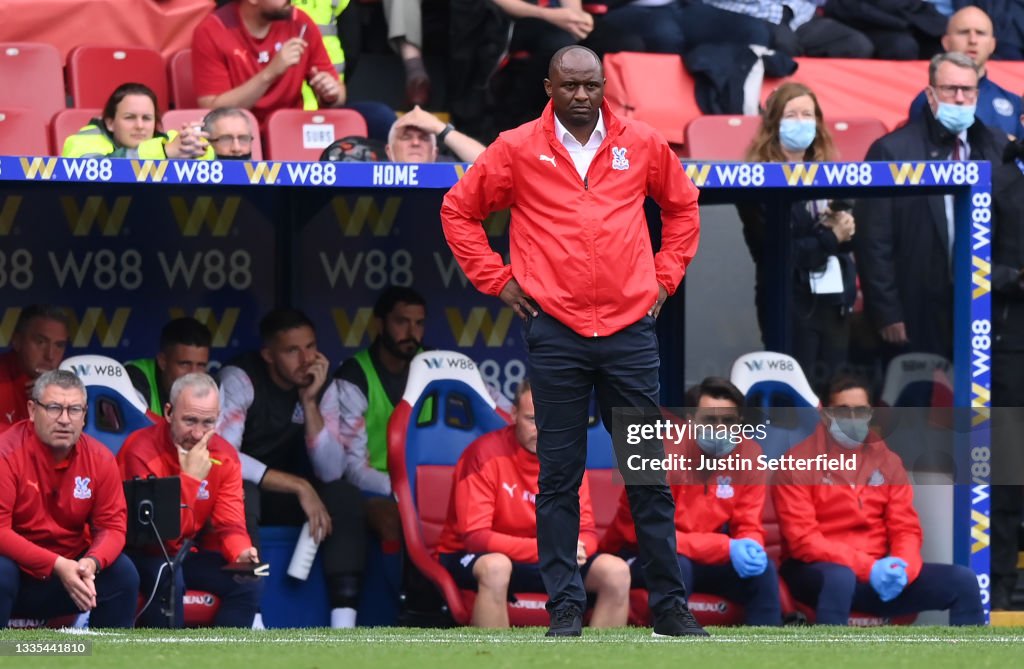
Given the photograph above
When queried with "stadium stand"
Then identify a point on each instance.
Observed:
(33, 78)
(22, 132)
(295, 134)
(94, 72)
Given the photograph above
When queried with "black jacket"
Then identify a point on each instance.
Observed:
(902, 243)
(1008, 251)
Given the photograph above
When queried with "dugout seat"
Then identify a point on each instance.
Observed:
(33, 78)
(94, 72)
(720, 137)
(22, 132)
(296, 134)
(115, 408)
(173, 119)
(778, 396)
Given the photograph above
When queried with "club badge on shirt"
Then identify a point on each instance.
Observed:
(298, 415)
(619, 160)
(876, 479)
(724, 489)
(82, 490)
(203, 492)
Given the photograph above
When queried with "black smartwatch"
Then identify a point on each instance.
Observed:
(444, 133)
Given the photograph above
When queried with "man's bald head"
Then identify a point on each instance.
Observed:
(970, 31)
(575, 57)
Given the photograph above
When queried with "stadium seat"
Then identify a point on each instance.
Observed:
(33, 78)
(22, 132)
(918, 380)
(654, 88)
(854, 135)
(179, 75)
(66, 123)
(115, 408)
(296, 134)
(445, 407)
(775, 386)
(173, 119)
(95, 71)
(723, 137)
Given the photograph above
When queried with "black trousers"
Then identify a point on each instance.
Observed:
(344, 549)
(564, 368)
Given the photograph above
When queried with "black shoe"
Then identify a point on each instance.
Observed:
(566, 621)
(677, 621)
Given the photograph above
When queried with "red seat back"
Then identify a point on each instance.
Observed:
(33, 78)
(854, 135)
(95, 71)
(296, 134)
(723, 137)
(179, 74)
(22, 133)
(66, 123)
(654, 88)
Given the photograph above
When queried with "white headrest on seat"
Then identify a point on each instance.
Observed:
(909, 368)
(101, 371)
(449, 365)
(759, 366)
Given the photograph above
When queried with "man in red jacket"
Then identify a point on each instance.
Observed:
(719, 534)
(589, 287)
(62, 514)
(489, 541)
(38, 343)
(852, 539)
(212, 508)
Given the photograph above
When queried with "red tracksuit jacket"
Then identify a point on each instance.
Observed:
(215, 502)
(13, 394)
(69, 509)
(850, 518)
(580, 247)
(493, 503)
(716, 507)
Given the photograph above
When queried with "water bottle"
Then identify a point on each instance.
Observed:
(305, 553)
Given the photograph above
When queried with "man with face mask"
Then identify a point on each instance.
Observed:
(230, 133)
(280, 412)
(212, 510)
(904, 245)
(719, 534)
(851, 540)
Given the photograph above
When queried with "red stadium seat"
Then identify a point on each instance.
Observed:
(720, 137)
(654, 88)
(95, 71)
(854, 135)
(66, 123)
(22, 133)
(33, 78)
(173, 119)
(296, 134)
(179, 74)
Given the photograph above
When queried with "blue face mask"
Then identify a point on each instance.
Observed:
(715, 447)
(849, 432)
(955, 118)
(797, 135)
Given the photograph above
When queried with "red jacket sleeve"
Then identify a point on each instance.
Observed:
(794, 506)
(209, 71)
(474, 500)
(486, 187)
(588, 528)
(34, 559)
(902, 525)
(680, 215)
(109, 520)
(706, 547)
(228, 516)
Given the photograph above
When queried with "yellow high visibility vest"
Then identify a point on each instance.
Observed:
(325, 15)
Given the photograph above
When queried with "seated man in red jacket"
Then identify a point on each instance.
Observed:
(489, 542)
(852, 539)
(719, 536)
(186, 446)
(62, 515)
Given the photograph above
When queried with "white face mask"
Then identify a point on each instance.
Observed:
(849, 432)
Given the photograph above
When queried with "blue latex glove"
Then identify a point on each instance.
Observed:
(748, 557)
(889, 577)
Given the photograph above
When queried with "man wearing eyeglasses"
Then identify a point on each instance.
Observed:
(904, 245)
(230, 133)
(62, 515)
(212, 507)
(852, 540)
(719, 534)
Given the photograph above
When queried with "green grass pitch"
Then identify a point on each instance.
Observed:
(386, 648)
